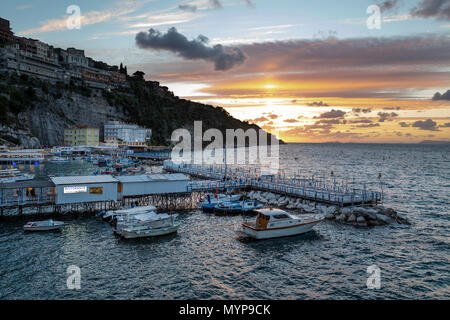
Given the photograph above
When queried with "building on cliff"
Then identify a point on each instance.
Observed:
(82, 136)
(38, 59)
(129, 134)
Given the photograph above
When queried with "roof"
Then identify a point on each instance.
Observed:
(152, 178)
(271, 212)
(83, 179)
(168, 177)
(27, 184)
(135, 178)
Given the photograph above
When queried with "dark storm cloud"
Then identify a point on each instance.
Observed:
(428, 124)
(332, 114)
(446, 96)
(197, 49)
(439, 9)
(187, 7)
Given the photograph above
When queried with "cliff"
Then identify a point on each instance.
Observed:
(34, 113)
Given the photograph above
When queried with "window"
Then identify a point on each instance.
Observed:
(96, 190)
(281, 216)
(76, 189)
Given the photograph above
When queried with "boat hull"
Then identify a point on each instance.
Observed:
(56, 226)
(149, 233)
(278, 232)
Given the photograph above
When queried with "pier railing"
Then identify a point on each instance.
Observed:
(305, 189)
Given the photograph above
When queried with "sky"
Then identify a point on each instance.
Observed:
(312, 71)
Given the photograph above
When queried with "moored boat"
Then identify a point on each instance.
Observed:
(211, 200)
(275, 223)
(43, 225)
(58, 160)
(236, 207)
(13, 175)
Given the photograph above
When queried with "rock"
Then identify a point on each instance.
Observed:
(361, 219)
(347, 210)
(341, 217)
(352, 218)
(383, 218)
(329, 216)
(390, 212)
(370, 214)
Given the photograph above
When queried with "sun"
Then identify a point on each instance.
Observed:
(270, 86)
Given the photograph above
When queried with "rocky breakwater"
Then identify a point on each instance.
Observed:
(357, 215)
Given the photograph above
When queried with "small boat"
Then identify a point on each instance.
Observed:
(275, 223)
(246, 206)
(43, 225)
(211, 200)
(13, 175)
(139, 224)
(58, 160)
(110, 215)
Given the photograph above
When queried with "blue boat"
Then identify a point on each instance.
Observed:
(211, 200)
(237, 207)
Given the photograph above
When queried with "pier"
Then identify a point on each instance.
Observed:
(174, 191)
(311, 189)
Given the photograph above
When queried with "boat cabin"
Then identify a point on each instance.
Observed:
(266, 216)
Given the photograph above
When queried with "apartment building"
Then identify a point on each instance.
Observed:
(130, 134)
(86, 136)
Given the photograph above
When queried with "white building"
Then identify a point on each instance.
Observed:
(130, 134)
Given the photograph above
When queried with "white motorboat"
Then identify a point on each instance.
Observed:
(13, 175)
(275, 223)
(110, 215)
(58, 160)
(145, 225)
(43, 225)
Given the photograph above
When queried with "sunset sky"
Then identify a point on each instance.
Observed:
(313, 70)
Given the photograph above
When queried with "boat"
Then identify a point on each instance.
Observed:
(13, 175)
(57, 159)
(211, 200)
(147, 224)
(111, 214)
(43, 225)
(275, 223)
(245, 206)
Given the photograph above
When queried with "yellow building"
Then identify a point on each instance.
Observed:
(81, 136)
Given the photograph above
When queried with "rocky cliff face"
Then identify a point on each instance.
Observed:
(48, 119)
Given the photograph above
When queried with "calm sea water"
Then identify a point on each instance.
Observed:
(206, 260)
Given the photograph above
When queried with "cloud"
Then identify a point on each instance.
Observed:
(187, 7)
(290, 120)
(359, 110)
(89, 18)
(260, 119)
(317, 104)
(250, 3)
(215, 4)
(197, 49)
(332, 114)
(24, 7)
(404, 124)
(428, 124)
(388, 5)
(445, 125)
(386, 116)
(439, 9)
(392, 108)
(446, 96)
(272, 116)
(362, 120)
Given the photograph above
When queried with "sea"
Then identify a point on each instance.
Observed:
(208, 259)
